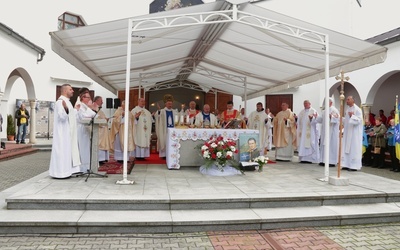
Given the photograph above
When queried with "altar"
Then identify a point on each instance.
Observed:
(181, 144)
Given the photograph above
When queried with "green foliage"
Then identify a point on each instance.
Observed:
(10, 125)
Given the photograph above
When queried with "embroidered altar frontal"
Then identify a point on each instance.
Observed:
(181, 144)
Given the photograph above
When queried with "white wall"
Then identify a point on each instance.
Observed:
(17, 55)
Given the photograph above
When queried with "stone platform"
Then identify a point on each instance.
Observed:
(284, 195)
(13, 150)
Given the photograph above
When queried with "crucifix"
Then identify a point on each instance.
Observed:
(342, 78)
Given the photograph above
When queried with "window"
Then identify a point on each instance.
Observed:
(70, 21)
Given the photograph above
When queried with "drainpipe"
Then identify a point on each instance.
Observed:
(23, 40)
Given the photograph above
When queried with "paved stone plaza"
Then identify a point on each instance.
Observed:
(377, 236)
(351, 237)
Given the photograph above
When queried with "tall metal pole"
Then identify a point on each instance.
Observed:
(342, 78)
(125, 180)
(326, 118)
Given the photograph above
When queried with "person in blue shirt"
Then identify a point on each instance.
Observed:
(390, 134)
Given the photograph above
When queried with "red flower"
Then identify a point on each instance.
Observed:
(214, 156)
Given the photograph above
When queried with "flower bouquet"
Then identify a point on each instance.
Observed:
(219, 151)
(261, 160)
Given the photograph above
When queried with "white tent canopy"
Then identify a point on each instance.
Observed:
(241, 49)
(214, 46)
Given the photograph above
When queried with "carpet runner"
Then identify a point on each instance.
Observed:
(153, 159)
(114, 167)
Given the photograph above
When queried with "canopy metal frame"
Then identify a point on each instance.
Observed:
(136, 25)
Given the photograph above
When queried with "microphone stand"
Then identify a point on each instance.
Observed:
(90, 172)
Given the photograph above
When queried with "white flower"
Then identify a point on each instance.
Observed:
(204, 147)
(261, 159)
(233, 148)
(221, 143)
(219, 154)
(229, 153)
(213, 145)
(206, 154)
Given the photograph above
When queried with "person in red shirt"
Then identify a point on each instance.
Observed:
(372, 119)
(391, 116)
(382, 116)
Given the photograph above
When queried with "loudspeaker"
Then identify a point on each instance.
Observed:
(109, 103)
(117, 103)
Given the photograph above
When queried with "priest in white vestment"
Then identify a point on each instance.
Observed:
(270, 125)
(87, 110)
(334, 118)
(284, 134)
(142, 130)
(165, 118)
(307, 134)
(260, 121)
(205, 119)
(104, 136)
(352, 136)
(120, 120)
(65, 159)
(191, 113)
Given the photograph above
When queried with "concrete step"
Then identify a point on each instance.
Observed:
(173, 221)
(164, 201)
(43, 202)
(13, 147)
(9, 154)
(42, 146)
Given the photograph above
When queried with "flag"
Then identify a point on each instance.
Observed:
(397, 130)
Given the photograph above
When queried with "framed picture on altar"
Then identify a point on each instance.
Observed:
(248, 147)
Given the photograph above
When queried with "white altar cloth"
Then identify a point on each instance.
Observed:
(181, 144)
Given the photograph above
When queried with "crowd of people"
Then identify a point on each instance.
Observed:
(303, 133)
(72, 136)
(379, 138)
(285, 131)
(306, 131)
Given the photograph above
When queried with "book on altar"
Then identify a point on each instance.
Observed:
(233, 124)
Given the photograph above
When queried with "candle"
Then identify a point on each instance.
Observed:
(181, 119)
(176, 119)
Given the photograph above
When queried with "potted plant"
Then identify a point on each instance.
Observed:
(10, 128)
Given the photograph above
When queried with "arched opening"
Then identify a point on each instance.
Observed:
(382, 94)
(349, 90)
(24, 75)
